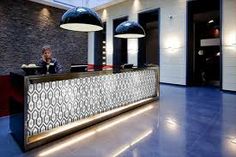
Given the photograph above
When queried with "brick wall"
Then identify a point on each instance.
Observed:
(26, 26)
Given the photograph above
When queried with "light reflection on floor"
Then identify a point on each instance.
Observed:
(185, 122)
(128, 117)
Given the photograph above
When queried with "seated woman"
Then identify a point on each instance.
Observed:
(49, 65)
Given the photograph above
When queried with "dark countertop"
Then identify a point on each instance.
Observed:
(66, 76)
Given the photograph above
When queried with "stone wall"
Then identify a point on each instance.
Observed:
(26, 26)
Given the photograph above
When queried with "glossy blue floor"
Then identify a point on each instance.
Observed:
(186, 122)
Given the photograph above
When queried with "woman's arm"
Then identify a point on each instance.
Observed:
(58, 67)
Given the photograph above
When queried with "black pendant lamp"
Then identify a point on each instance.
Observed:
(81, 19)
(129, 29)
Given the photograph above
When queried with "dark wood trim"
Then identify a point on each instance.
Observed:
(98, 48)
(188, 47)
(221, 48)
(141, 55)
(172, 84)
(116, 45)
(228, 91)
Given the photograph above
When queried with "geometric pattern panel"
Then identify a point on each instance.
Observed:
(56, 103)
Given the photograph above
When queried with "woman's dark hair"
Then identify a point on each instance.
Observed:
(45, 47)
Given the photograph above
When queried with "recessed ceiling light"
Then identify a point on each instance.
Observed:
(211, 21)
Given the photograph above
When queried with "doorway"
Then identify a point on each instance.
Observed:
(204, 43)
(120, 51)
(149, 51)
(100, 48)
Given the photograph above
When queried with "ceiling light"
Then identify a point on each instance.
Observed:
(129, 30)
(81, 19)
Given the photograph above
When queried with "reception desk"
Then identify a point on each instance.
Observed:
(56, 105)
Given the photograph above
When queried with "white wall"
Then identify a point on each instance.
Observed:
(229, 45)
(67, 4)
(172, 35)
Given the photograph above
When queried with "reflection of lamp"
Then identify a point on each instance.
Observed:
(129, 29)
(172, 44)
(233, 141)
(101, 127)
(137, 140)
(81, 19)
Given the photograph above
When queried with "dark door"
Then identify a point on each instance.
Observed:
(148, 52)
(203, 59)
(99, 38)
(120, 52)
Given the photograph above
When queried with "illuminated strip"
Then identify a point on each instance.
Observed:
(171, 121)
(99, 129)
(123, 149)
(81, 122)
(67, 144)
(124, 119)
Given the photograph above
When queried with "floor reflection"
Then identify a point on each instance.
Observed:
(135, 141)
(185, 122)
(125, 128)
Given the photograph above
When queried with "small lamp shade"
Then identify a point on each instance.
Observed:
(81, 19)
(129, 29)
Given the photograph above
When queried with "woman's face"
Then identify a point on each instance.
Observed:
(47, 54)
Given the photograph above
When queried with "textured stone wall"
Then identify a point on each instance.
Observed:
(26, 26)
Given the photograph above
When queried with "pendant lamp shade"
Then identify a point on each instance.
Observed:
(81, 19)
(129, 29)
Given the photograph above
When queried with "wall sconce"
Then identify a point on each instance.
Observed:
(230, 40)
(45, 12)
(104, 15)
(172, 44)
(234, 40)
(132, 51)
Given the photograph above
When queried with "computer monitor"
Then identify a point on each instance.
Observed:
(78, 68)
(128, 66)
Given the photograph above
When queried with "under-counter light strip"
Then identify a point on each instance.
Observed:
(124, 119)
(80, 122)
(99, 129)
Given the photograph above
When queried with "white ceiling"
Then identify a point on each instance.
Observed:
(66, 4)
